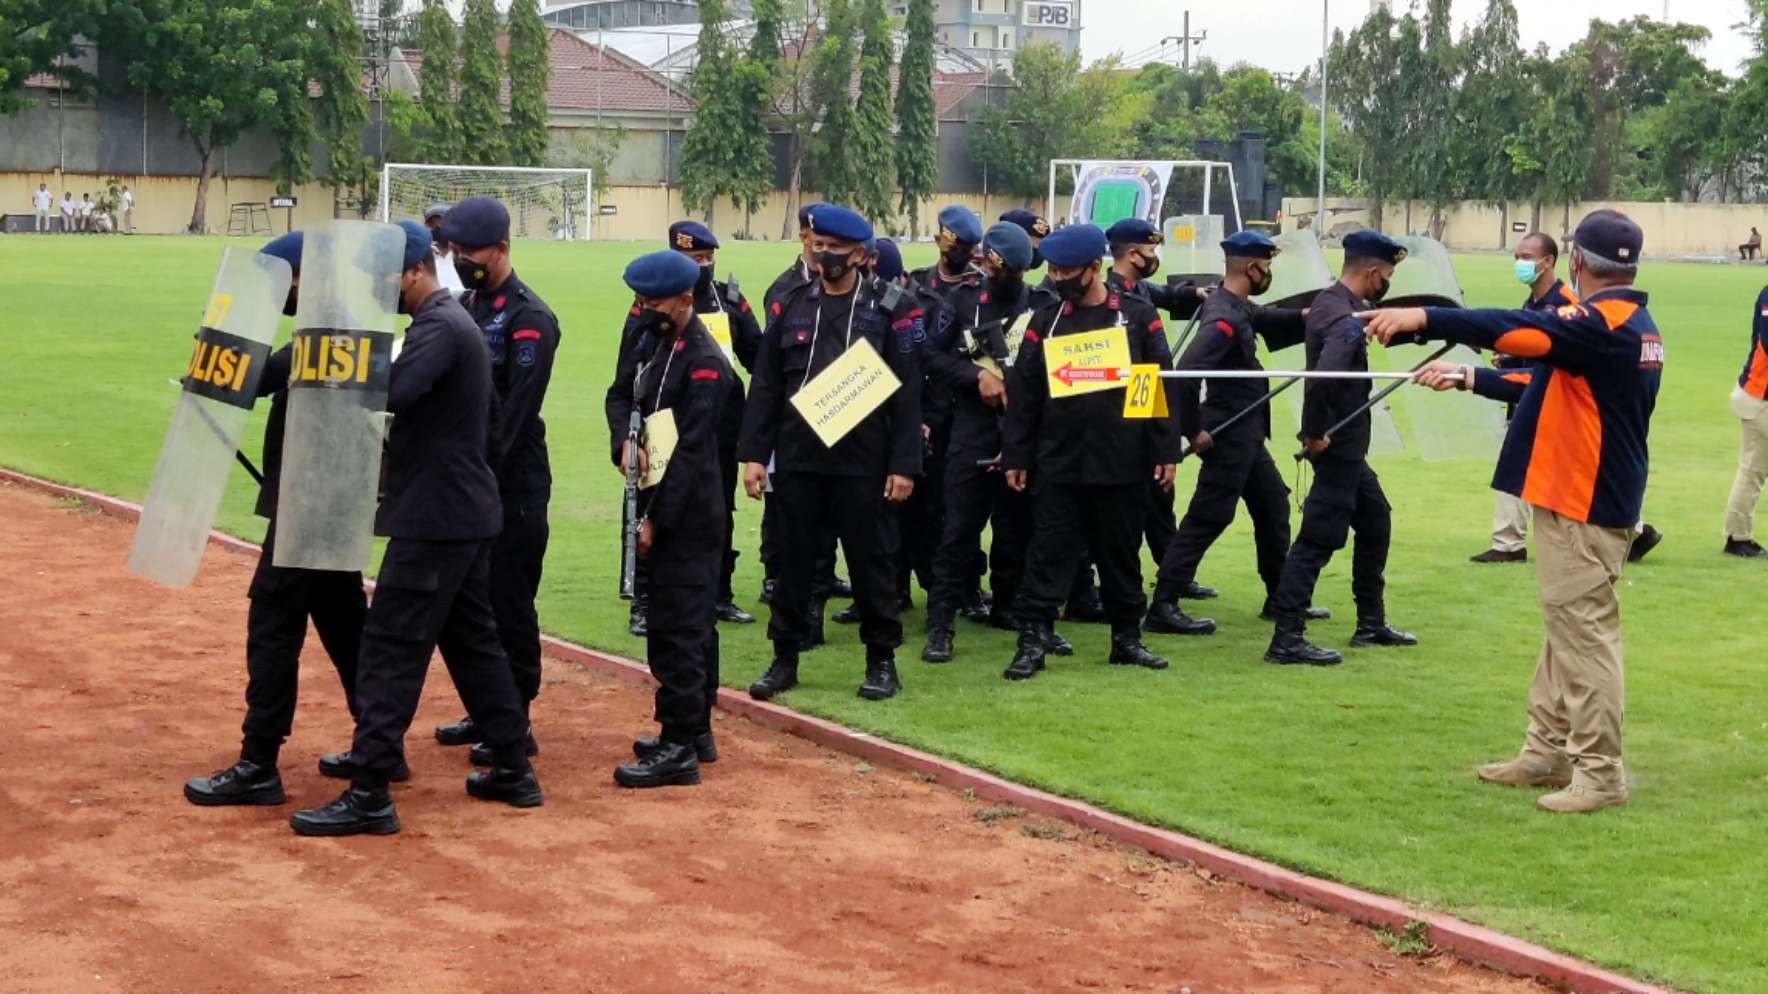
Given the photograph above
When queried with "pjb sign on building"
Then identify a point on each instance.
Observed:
(1048, 14)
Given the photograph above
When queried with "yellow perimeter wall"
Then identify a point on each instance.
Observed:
(163, 205)
(1671, 230)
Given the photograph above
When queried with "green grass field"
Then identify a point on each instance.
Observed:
(1360, 773)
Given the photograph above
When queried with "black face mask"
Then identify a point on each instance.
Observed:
(1148, 265)
(1262, 284)
(833, 265)
(703, 284)
(472, 274)
(655, 323)
(1376, 295)
(957, 260)
(1009, 281)
(1071, 288)
(436, 237)
(294, 298)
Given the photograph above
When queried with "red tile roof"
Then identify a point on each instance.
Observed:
(590, 77)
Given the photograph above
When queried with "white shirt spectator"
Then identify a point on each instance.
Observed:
(128, 200)
(86, 208)
(67, 207)
(43, 200)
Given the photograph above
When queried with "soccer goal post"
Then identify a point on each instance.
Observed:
(543, 203)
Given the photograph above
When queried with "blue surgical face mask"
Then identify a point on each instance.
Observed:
(1526, 271)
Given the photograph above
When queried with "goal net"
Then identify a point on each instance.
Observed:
(543, 203)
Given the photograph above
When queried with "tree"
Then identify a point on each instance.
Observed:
(832, 92)
(709, 150)
(438, 126)
(340, 111)
(752, 169)
(1489, 109)
(871, 154)
(917, 136)
(1014, 142)
(1365, 65)
(529, 69)
(1553, 144)
(34, 34)
(1633, 65)
(481, 72)
(783, 47)
(223, 67)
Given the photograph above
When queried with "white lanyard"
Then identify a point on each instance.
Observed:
(818, 326)
(639, 380)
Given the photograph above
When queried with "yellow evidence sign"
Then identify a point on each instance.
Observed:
(1087, 362)
(1143, 395)
(837, 399)
(657, 438)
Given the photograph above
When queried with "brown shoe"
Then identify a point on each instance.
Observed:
(1581, 800)
(1519, 772)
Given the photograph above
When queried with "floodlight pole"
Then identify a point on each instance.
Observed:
(1320, 201)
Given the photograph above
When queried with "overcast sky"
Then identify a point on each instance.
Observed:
(1284, 35)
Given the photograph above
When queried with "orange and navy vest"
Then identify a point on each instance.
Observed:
(1754, 378)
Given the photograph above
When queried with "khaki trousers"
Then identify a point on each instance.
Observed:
(1577, 696)
(1752, 466)
(1510, 523)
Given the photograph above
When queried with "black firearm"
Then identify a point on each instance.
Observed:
(629, 547)
(1372, 401)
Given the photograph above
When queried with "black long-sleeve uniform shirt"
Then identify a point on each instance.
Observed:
(1226, 325)
(688, 375)
(1085, 438)
(810, 331)
(439, 485)
(1179, 301)
(522, 336)
(976, 427)
(275, 385)
(1335, 342)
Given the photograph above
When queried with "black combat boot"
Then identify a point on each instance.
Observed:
(1003, 619)
(977, 607)
(1373, 632)
(517, 788)
(1127, 650)
(1034, 642)
(781, 676)
(939, 645)
(459, 733)
(705, 749)
(814, 621)
(357, 811)
(1056, 645)
(1269, 612)
(1167, 618)
(671, 764)
(245, 782)
(1289, 648)
(1195, 591)
(481, 753)
(342, 766)
(881, 681)
(848, 615)
(727, 610)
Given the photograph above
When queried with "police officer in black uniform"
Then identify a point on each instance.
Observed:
(522, 335)
(847, 489)
(1346, 495)
(440, 512)
(802, 271)
(281, 601)
(685, 378)
(1236, 465)
(1087, 465)
(970, 358)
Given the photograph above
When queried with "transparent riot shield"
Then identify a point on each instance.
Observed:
(1191, 248)
(1453, 424)
(219, 386)
(339, 368)
(1425, 278)
(1298, 273)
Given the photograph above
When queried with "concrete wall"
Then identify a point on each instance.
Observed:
(645, 212)
(1671, 230)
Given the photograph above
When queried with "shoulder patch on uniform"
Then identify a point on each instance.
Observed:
(497, 302)
(1225, 328)
(1570, 312)
(1156, 326)
(526, 334)
(1114, 301)
(634, 311)
(1030, 335)
(743, 305)
(775, 308)
(525, 353)
(704, 374)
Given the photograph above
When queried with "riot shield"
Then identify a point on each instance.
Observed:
(1192, 249)
(341, 363)
(1298, 273)
(219, 386)
(1453, 424)
(1425, 278)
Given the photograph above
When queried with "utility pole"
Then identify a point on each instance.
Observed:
(1325, 48)
(1185, 40)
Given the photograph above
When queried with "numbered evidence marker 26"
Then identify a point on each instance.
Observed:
(1143, 394)
(837, 399)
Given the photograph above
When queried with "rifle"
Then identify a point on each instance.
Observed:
(1243, 412)
(629, 547)
(1372, 401)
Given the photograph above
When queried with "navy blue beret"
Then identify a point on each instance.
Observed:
(1133, 231)
(662, 274)
(805, 212)
(417, 242)
(1249, 245)
(1009, 242)
(1611, 235)
(1368, 244)
(477, 222)
(288, 249)
(1033, 225)
(689, 236)
(839, 222)
(889, 264)
(961, 223)
(1075, 245)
